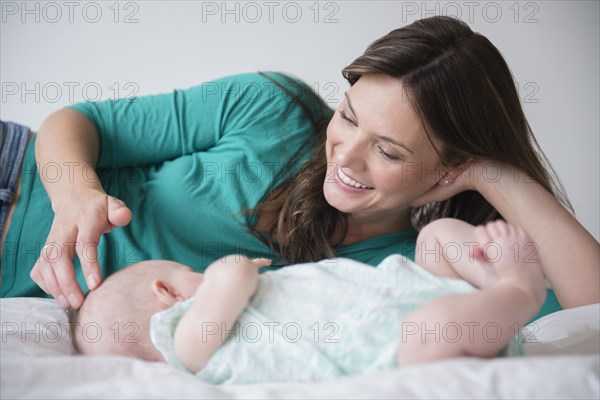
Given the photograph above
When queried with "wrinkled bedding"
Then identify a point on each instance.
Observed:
(562, 360)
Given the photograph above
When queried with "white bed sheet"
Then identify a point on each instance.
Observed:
(563, 361)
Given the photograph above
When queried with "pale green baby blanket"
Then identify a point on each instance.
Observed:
(315, 321)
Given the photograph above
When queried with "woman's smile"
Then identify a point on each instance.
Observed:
(349, 184)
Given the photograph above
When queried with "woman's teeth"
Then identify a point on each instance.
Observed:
(350, 181)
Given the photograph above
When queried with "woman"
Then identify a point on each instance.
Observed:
(431, 127)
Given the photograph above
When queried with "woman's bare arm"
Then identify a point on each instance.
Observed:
(569, 254)
(66, 151)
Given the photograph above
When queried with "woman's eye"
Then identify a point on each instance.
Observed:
(387, 155)
(346, 118)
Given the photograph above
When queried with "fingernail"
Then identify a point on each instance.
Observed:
(259, 259)
(91, 281)
(74, 300)
(63, 301)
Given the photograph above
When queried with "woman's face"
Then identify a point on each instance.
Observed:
(375, 141)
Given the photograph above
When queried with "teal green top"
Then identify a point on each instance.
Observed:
(186, 163)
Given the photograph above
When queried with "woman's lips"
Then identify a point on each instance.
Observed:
(349, 184)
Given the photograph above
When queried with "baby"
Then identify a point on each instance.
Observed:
(473, 290)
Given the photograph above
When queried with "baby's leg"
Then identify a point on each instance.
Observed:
(480, 323)
(450, 248)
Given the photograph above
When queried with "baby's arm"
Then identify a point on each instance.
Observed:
(219, 300)
(478, 324)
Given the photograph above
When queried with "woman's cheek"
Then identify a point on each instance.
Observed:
(331, 129)
(332, 124)
(413, 173)
(419, 178)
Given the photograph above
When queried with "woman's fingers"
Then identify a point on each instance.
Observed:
(76, 231)
(455, 181)
(118, 213)
(87, 251)
(44, 273)
(36, 275)
(439, 192)
(261, 262)
(65, 275)
(55, 274)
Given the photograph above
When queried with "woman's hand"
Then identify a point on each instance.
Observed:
(80, 218)
(469, 175)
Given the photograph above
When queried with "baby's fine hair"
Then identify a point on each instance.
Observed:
(114, 318)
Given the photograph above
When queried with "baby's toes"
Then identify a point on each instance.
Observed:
(498, 229)
(482, 235)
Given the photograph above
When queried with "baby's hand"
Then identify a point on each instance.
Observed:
(236, 262)
(236, 272)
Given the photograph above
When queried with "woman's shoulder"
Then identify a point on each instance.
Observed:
(267, 89)
(254, 85)
(262, 79)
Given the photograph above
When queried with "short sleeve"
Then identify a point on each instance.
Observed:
(152, 129)
(162, 332)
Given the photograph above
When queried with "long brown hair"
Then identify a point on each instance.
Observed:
(460, 86)
(304, 221)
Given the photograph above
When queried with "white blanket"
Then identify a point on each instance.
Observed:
(563, 361)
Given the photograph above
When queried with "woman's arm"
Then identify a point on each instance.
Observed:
(152, 129)
(219, 301)
(142, 131)
(66, 150)
(569, 254)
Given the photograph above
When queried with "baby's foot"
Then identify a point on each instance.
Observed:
(509, 256)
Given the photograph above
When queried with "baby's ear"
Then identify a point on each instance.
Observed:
(165, 293)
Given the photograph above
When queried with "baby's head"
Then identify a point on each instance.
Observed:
(114, 318)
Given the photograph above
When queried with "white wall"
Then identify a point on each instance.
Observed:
(50, 53)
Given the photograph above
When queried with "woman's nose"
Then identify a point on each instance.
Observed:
(351, 154)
